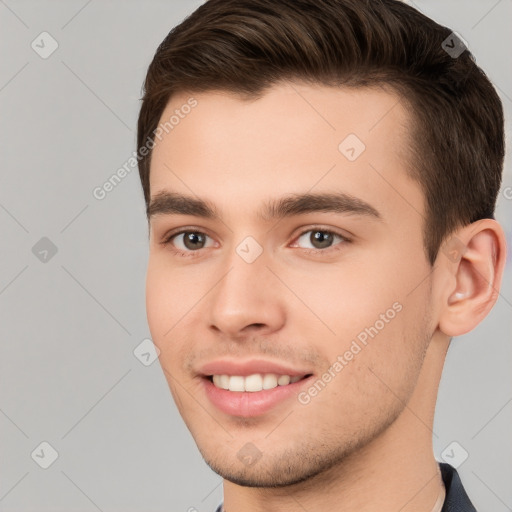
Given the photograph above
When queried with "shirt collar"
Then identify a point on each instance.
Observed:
(456, 498)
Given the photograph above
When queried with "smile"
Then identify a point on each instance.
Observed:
(253, 395)
(253, 383)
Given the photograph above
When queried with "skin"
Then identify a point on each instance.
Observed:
(366, 438)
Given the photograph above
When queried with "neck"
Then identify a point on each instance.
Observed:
(396, 471)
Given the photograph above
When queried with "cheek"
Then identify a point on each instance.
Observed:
(377, 377)
(372, 314)
(171, 293)
(164, 308)
(173, 304)
(345, 299)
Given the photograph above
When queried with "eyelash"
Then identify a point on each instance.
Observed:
(167, 241)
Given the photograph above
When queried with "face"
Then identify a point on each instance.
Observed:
(287, 288)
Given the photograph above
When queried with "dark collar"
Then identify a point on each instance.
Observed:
(456, 498)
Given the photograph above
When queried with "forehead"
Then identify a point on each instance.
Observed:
(294, 138)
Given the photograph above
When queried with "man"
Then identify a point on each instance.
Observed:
(320, 179)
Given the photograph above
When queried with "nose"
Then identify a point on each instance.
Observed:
(246, 301)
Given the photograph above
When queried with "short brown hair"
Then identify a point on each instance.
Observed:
(246, 46)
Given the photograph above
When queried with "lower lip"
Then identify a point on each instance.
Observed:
(247, 404)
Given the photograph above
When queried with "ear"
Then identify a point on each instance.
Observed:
(473, 260)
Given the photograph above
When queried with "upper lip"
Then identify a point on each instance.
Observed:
(248, 367)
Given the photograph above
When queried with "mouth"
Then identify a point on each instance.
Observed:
(253, 383)
(253, 395)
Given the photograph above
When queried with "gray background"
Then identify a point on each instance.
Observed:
(69, 325)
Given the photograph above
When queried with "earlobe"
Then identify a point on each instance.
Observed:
(475, 269)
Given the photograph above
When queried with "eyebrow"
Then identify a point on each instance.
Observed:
(168, 203)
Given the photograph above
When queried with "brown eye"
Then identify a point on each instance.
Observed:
(319, 239)
(190, 240)
(193, 240)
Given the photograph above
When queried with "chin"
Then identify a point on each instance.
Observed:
(284, 469)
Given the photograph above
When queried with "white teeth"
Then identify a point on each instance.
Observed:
(283, 380)
(254, 382)
(236, 383)
(269, 381)
(224, 381)
(221, 381)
